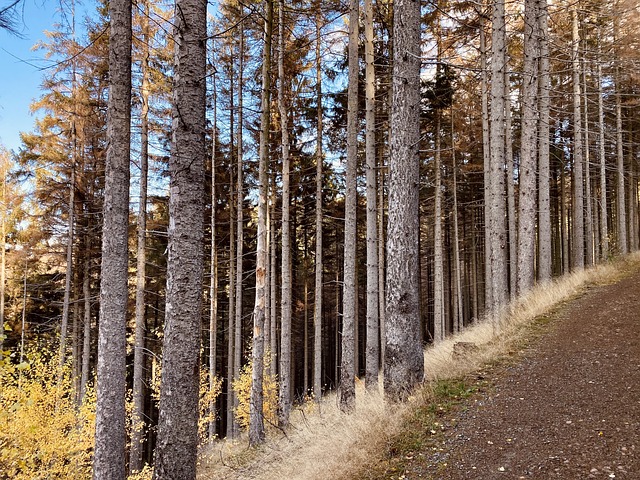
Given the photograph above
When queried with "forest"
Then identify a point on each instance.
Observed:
(225, 210)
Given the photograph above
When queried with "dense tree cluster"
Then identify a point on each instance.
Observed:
(315, 189)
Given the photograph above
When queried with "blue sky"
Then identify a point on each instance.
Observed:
(20, 75)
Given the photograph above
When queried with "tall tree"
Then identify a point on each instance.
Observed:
(137, 419)
(528, 152)
(496, 235)
(403, 360)
(109, 457)
(256, 421)
(544, 203)
(373, 330)
(577, 245)
(285, 326)
(319, 263)
(349, 288)
(177, 441)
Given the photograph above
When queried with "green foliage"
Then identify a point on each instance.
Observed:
(242, 387)
(42, 429)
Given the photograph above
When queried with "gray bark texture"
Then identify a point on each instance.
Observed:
(285, 330)
(577, 245)
(373, 342)
(495, 223)
(404, 361)
(544, 202)
(256, 420)
(109, 456)
(317, 313)
(439, 328)
(527, 204)
(347, 369)
(137, 420)
(177, 441)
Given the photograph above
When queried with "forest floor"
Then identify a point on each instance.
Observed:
(565, 405)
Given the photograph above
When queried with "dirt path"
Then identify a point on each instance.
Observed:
(569, 409)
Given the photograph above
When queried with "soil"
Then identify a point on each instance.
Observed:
(568, 408)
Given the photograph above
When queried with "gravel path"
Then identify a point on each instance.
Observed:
(569, 408)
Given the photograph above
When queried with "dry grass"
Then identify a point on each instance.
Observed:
(325, 443)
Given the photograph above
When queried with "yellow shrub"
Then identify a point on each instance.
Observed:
(43, 433)
(242, 387)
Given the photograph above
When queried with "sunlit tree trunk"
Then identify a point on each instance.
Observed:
(285, 329)
(459, 324)
(177, 441)
(621, 213)
(256, 421)
(496, 234)
(373, 329)
(439, 329)
(109, 456)
(403, 361)
(527, 204)
(349, 288)
(588, 225)
(544, 202)
(577, 244)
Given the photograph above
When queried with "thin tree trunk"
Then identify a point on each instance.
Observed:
(512, 223)
(577, 245)
(496, 234)
(317, 315)
(373, 327)
(403, 361)
(256, 421)
(86, 335)
(137, 419)
(349, 287)
(544, 201)
(439, 327)
(621, 213)
(588, 227)
(456, 235)
(528, 153)
(69, 267)
(109, 456)
(177, 441)
(486, 149)
(285, 331)
(3, 253)
(213, 280)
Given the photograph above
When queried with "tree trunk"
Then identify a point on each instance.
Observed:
(486, 149)
(177, 441)
(527, 204)
(544, 201)
(285, 330)
(577, 245)
(404, 361)
(496, 234)
(317, 315)
(137, 418)
(439, 326)
(621, 213)
(373, 330)
(588, 226)
(459, 324)
(109, 456)
(349, 287)
(256, 421)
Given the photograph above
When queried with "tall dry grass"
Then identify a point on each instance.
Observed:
(324, 443)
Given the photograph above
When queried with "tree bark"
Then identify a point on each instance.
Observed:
(285, 330)
(317, 315)
(373, 329)
(256, 421)
(404, 361)
(527, 204)
(349, 287)
(544, 202)
(577, 245)
(109, 456)
(137, 418)
(177, 440)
